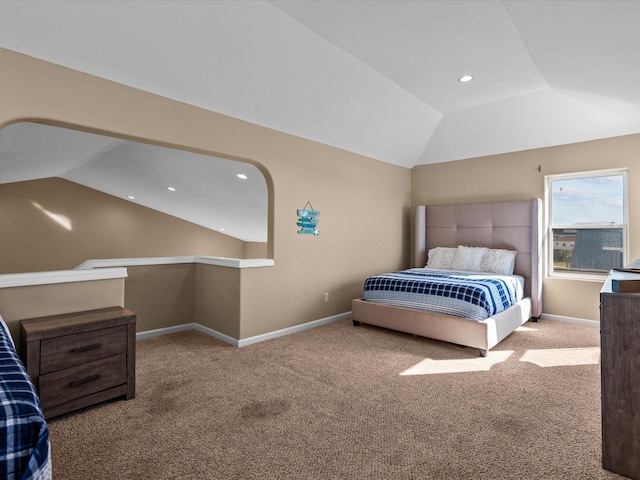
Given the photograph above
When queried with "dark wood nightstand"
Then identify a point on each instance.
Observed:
(80, 359)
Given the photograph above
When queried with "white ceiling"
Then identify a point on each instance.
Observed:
(373, 77)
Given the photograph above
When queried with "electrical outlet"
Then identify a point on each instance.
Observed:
(326, 297)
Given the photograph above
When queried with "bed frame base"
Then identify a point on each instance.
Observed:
(481, 351)
(482, 335)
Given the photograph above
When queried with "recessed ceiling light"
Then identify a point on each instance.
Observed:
(172, 189)
(221, 229)
(465, 78)
(241, 176)
(131, 197)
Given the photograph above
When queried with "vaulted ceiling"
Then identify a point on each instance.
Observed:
(379, 78)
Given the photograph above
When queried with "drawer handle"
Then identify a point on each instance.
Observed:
(82, 381)
(86, 348)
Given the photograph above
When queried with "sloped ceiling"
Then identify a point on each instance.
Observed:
(377, 78)
(210, 194)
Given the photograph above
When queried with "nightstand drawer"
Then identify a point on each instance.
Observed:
(72, 350)
(65, 385)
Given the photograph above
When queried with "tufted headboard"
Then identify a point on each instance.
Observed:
(509, 225)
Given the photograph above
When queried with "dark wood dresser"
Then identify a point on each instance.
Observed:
(80, 359)
(620, 367)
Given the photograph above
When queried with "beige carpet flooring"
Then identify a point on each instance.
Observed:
(344, 402)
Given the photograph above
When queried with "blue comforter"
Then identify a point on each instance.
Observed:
(463, 294)
(24, 436)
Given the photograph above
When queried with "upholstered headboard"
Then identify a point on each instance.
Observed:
(510, 225)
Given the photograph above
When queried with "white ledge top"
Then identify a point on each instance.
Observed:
(141, 261)
(116, 268)
(9, 280)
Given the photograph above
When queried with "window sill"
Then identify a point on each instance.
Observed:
(576, 277)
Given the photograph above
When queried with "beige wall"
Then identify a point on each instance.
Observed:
(100, 226)
(254, 250)
(217, 299)
(364, 203)
(19, 303)
(515, 176)
(161, 295)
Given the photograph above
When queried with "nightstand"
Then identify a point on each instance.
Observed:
(80, 359)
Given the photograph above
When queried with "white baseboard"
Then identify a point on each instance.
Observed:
(165, 331)
(215, 334)
(246, 341)
(294, 329)
(580, 321)
(305, 326)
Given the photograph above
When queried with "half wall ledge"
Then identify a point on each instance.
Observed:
(141, 261)
(10, 280)
(116, 268)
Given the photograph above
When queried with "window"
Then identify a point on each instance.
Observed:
(587, 219)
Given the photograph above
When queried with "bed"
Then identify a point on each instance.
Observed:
(24, 436)
(506, 226)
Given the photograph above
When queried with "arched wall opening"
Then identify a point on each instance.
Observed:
(196, 186)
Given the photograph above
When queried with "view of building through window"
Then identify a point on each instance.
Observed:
(587, 222)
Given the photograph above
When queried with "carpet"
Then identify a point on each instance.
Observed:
(339, 401)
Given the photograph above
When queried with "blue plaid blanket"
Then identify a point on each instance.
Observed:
(24, 437)
(462, 294)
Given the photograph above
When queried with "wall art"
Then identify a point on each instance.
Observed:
(308, 220)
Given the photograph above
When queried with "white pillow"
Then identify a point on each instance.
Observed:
(468, 258)
(441, 258)
(499, 261)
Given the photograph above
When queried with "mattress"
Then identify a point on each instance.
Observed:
(471, 295)
(24, 436)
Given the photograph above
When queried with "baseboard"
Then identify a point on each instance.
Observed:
(246, 341)
(215, 334)
(294, 329)
(305, 326)
(165, 331)
(579, 321)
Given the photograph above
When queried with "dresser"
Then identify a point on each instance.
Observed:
(620, 368)
(80, 359)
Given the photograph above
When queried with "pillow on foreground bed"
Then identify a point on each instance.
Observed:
(498, 261)
(468, 259)
(441, 258)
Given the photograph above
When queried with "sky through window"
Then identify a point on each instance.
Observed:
(588, 200)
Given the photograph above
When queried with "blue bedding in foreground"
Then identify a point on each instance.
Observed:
(24, 436)
(476, 296)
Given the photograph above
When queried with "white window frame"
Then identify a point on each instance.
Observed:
(549, 179)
